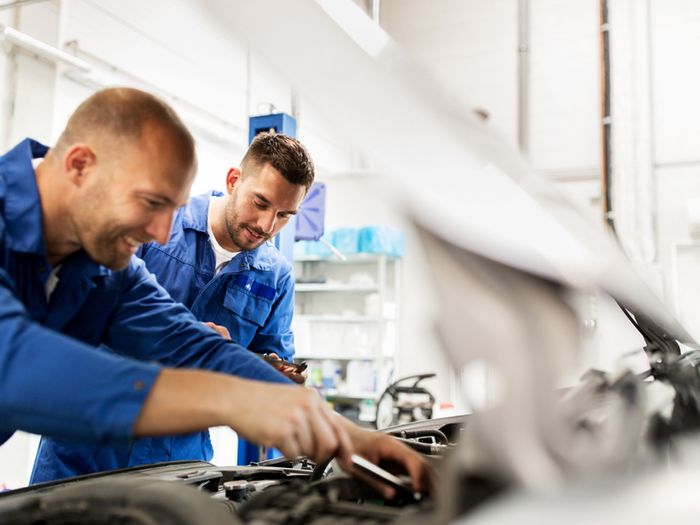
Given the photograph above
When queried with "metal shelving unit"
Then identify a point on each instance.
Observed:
(352, 317)
(335, 287)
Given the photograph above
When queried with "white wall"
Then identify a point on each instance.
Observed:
(564, 88)
(658, 138)
(471, 46)
(468, 45)
(675, 83)
(32, 113)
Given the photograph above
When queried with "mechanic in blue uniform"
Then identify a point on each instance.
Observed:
(219, 263)
(68, 283)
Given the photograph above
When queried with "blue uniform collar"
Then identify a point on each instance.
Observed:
(195, 214)
(195, 217)
(23, 228)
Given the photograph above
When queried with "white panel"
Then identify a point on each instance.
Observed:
(330, 149)
(40, 21)
(685, 276)
(28, 100)
(33, 110)
(587, 194)
(213, 164)
(267, 88)
(675, 186)
(171, 44)
(469, 45)
(69, 95)
(675, 36)
(564, 84)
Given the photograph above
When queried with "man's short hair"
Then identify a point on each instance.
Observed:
(122, 114)
(284, 153)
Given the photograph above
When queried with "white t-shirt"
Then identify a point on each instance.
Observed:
(222, 256)
(51, 282)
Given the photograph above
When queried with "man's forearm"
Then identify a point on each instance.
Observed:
(183, 401)
(287, 417)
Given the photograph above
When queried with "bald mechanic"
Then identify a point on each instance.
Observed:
(68, 283)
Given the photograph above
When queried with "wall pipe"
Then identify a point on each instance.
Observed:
(39, 48)
(524, 76)
(19, 3)
(606, 118)
(652, 138)
(375, 6)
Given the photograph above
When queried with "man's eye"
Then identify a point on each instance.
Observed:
(153, 205)
(259, 205)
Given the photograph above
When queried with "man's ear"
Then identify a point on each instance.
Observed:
(232, 178)
(77, 162)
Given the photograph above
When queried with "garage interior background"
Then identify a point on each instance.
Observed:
(534, 66)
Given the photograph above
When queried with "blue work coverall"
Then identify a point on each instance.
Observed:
(54, 380)
(252, 296)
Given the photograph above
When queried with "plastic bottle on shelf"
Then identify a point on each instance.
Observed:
(329, 374)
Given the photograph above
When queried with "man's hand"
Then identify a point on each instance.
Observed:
(295, 420)
(288, 370)
(385, 451)
(221, 330)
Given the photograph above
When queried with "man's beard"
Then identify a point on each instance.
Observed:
(97, 239)
(105, 250)
(104, 245)
(236, 232)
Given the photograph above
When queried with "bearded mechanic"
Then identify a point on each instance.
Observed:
(68, 283)
(218, 264)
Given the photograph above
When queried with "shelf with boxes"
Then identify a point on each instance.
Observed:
(346, 321)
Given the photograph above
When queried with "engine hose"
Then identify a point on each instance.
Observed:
(423, 448)
(439, 436)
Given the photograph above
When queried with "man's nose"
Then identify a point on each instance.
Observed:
(159, 227)
(267, 222)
